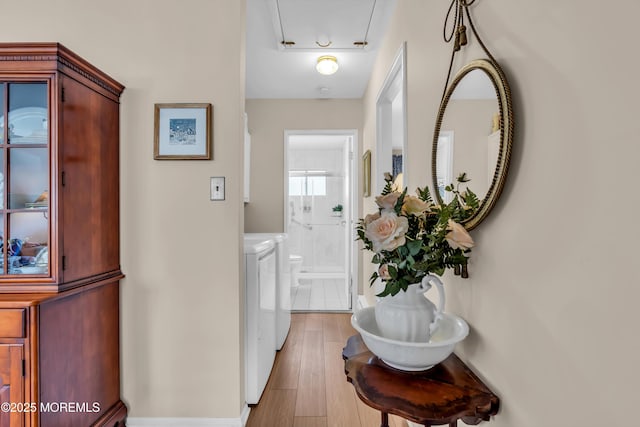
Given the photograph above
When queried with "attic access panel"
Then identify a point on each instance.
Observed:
(323, 24)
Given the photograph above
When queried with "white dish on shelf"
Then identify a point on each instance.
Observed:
(28, 125)
(34, 205)
(411, 356)
(42, 258)
(31, 269)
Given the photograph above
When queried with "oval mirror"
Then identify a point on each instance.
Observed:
(473, 135)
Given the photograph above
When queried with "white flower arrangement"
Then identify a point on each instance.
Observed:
(412, 237)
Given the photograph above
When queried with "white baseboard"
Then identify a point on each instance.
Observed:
(244, 416)
(191, 422)
(184, 422)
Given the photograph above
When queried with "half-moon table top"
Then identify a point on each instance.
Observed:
(448, 392)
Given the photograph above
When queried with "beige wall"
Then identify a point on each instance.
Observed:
(553, 293)
(268, 119)
(180, 251)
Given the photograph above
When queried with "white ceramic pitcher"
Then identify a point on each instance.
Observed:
(409, 315)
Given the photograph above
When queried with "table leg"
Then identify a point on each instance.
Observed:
(385, 420)
(453, 423)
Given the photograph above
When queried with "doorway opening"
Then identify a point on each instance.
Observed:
(444, 172)
(391, 125)
(320, 203)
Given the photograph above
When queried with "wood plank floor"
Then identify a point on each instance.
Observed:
(307, 386)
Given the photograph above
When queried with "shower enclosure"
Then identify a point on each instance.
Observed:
(318, 225)
(317, 230)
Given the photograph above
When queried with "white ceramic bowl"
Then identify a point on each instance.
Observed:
(410, 356)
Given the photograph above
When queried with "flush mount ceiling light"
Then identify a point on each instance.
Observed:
(327, 65)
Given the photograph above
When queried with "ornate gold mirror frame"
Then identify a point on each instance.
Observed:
(503, 95)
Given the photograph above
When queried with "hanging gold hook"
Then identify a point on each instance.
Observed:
(462, 35)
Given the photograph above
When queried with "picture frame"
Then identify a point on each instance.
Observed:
(366, 174)
(182, 131)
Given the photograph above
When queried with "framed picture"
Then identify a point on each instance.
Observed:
(366, 174)
(182, 132)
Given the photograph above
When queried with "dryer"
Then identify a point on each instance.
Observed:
(283, 288)
(260, 314)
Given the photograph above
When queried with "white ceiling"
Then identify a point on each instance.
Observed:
(275, 70)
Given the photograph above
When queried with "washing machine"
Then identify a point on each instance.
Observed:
(283, 278)
(260, 314)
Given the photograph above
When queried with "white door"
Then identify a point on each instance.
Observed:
(319, 206)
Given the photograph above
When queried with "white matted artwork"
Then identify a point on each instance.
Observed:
(182, 131)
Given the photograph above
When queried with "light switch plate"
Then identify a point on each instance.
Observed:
(217, 188)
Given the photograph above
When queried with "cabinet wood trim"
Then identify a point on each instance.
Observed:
(12, 323)
(54, 54)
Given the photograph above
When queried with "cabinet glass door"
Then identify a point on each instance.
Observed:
(24, 181)
(2, 122)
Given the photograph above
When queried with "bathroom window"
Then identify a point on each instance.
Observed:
(297, 186)
(307, 185)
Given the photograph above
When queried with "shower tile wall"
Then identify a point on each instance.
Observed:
(314, 231)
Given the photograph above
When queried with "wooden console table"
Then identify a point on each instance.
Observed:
(444, 394)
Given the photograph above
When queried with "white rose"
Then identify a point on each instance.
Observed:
(370, 218)
(457, 237)
(412, 205)
(388, 201)
(383, 272)
(387, 232)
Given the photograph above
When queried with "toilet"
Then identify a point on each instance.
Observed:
(296, 265)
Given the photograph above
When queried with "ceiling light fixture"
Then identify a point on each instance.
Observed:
(327, 65)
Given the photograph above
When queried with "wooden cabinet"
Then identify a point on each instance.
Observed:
(59, 240)
(11, 382)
